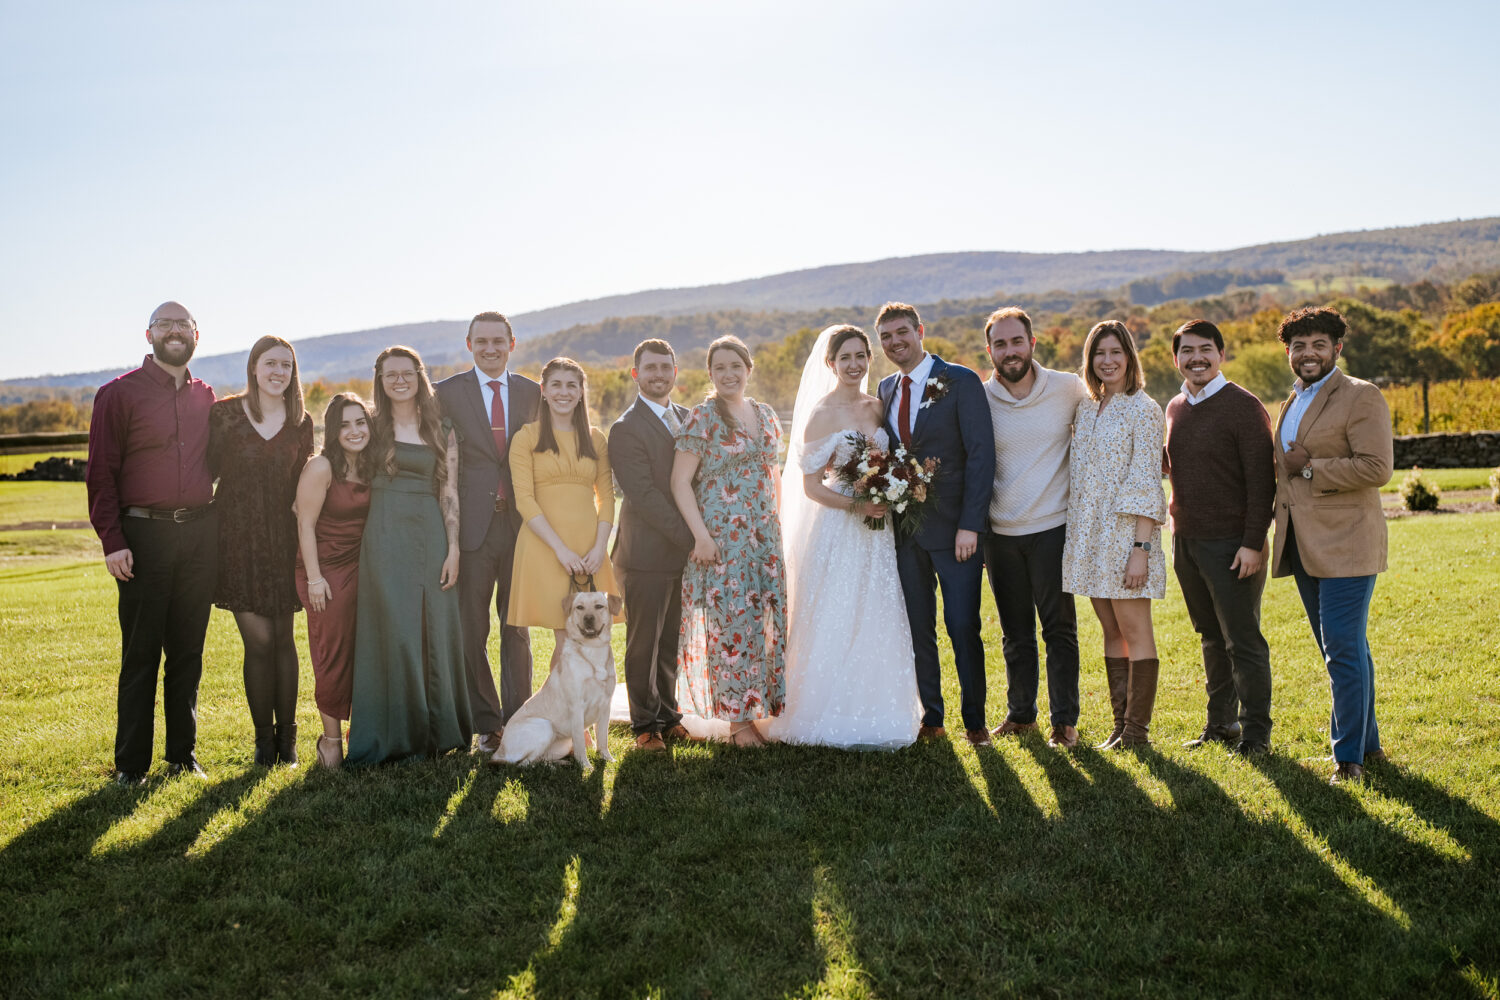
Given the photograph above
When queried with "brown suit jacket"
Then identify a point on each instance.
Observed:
(1336, 514)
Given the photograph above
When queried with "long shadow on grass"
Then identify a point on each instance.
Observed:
(748, 873)
(1443, 878)
(75, 896)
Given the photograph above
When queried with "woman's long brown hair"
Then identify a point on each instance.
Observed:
(430, 427)
(546, 438)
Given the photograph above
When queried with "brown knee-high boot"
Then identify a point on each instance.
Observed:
(1140, 700)
(1117, 676)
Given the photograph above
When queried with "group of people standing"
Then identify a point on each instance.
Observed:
(754, 593)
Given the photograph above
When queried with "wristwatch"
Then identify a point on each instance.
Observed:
(1143, 545)
(1307, 470)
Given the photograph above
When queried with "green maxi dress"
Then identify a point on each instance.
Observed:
(410, 698)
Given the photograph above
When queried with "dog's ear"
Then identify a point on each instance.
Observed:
(567, 605)
(616, 605)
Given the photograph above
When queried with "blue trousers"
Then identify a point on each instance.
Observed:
(922, 572)
(1338, 608)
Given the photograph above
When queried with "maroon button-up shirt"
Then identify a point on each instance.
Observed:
(148, 447)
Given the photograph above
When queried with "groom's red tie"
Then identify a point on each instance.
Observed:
(497, 428)
(903, 413)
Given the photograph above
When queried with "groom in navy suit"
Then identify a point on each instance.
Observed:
(938, 410)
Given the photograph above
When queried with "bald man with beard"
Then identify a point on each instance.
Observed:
(151, 503)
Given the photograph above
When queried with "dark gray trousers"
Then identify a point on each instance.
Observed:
(653, 603)
(482, 573)
(1026, 579)
(1225, 612)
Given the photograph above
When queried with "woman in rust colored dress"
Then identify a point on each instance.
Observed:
(258, 442)
(333, 498)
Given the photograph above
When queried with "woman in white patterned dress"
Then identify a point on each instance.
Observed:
(851, 681)
(1116, 508)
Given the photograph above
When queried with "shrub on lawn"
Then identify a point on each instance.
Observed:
(1419, 492)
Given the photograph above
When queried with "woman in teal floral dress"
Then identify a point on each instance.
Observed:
(724, 480)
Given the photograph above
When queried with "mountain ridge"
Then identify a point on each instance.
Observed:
(1435, 250)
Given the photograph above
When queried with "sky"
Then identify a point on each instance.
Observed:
(305, 168)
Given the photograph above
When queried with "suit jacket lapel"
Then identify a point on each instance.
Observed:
(480, 414)
(1280, 419)
(1319, 403)
(644, 414)
(937, 369)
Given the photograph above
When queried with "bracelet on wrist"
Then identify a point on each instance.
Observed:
(314, 583)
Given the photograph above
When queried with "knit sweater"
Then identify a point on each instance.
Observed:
(1032, 436)
(1222, 465)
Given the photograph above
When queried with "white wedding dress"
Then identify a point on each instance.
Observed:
(851, 681)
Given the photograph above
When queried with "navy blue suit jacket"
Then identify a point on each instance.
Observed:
(955, 430)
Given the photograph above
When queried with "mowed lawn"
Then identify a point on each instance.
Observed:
(716, 872)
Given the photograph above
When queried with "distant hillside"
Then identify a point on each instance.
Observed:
(600, 328)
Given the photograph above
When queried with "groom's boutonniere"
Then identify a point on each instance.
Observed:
(936, 388)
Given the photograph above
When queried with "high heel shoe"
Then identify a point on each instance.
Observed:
(331, 752)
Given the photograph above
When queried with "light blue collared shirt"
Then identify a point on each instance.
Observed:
(1301, 399)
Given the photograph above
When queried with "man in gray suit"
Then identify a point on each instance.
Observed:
(487, 405)
(651, 546)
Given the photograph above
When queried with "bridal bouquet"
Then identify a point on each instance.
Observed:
(894, 478)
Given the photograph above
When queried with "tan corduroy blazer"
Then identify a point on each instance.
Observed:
(1336, 514)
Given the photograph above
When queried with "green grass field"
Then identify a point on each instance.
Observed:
(934, 871)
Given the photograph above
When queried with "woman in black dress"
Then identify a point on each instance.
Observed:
(258, 442)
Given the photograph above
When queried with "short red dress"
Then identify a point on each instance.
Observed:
(330, 632)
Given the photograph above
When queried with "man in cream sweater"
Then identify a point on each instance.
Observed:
(1032, 409)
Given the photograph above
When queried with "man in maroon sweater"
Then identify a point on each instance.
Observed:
(150, 501)
(1222, 466)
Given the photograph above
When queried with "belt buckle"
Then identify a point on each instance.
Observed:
(179, 516)
(501, 505)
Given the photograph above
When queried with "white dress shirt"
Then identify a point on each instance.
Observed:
(660, 411)
(1215, 384)
(489, 398)
(918, 378)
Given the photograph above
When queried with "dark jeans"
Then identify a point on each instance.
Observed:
(655, 603)
(1338, 609)
(164, 609)
(1026, 579)
(482, 573)
(1225, 612)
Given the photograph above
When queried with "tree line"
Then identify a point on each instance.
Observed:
(1425, 331)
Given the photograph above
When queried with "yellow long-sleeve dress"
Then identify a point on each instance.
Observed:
(576, 494)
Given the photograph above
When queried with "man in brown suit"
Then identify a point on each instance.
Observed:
(1334, 452)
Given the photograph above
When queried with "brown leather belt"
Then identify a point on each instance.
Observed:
(180, 515)
(501, 505)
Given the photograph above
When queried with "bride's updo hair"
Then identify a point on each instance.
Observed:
(838, 334)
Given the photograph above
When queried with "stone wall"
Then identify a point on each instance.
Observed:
(1479, 450)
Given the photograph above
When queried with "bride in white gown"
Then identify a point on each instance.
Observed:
(850, 679)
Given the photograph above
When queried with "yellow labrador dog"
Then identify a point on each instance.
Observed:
(552, 722)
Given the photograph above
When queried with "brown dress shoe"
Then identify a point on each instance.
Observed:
(979, 737)
(1008, 728)
(1347, 773)
(649, 741)
(931, 734)
(1377, 756)
(679, 734)
(1063, 737)
(488, 742)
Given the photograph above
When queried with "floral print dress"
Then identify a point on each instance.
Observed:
(1114, 473)
(732, 642)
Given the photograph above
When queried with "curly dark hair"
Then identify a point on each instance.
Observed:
(1313, 320)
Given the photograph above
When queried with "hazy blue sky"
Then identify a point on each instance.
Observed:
(315, 167)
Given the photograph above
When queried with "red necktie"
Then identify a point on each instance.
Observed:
(903, 414)
(497, 428)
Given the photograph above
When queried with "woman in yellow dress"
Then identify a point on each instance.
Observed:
(559, 466)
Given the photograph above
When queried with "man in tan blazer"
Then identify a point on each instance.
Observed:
(1334, 452)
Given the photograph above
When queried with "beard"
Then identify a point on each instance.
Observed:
(1016, 375)
(173, 354)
